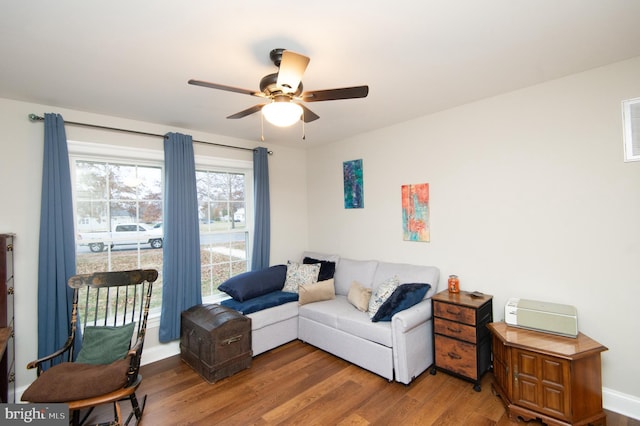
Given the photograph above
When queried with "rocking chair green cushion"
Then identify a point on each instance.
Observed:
(73, 381)
(104, 345)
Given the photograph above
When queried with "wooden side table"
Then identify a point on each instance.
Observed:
(553, 378)
(462, 343)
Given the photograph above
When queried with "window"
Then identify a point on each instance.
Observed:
(117, 204)
(118, 197)
(224, 235)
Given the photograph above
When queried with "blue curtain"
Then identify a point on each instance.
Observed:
(57, 254)
(181, 277)
(262, 231)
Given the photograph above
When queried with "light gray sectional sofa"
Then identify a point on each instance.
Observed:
(399, 349)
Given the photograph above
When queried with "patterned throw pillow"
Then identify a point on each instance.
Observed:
(298, 274)
(382, 293)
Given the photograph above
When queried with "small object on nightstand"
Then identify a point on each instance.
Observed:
(454, 284)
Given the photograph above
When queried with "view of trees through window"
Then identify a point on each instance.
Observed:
(119, 221)
(223, 228)
(119, 218)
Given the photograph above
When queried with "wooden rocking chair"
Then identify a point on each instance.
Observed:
(112, 314)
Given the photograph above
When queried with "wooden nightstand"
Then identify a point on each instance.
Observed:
(462, 343)
(539, 375)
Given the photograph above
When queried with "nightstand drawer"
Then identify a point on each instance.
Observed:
(456, 356)
(455, 330)
(455, 312)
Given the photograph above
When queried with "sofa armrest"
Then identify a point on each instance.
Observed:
(405, 320)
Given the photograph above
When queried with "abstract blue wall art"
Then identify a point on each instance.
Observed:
(353, 184)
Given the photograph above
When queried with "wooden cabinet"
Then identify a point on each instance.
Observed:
(553, 378)
(462, 343)
(7, 347)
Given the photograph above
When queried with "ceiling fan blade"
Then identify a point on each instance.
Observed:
(308, 115)
(335, 94)
(292, 67)
(227, 88)
(247, 111)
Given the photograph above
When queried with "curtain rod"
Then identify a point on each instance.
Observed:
(34, 118)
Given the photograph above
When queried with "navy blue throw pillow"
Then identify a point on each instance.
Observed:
(403, 297)
(327, 268)
(266, 301)
(252, 284)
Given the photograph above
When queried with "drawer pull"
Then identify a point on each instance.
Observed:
(231, 340)
(454, 355)
(456, 313)
(454, 330)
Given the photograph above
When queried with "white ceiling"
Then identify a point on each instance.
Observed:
(132, 59)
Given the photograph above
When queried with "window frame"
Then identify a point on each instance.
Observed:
(629, 124)
(89, 151)
(217, 164)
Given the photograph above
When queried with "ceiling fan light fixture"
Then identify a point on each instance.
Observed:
(282, 113)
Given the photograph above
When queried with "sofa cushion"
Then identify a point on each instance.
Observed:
(299, 273)
(316, 292)
(359, 324)
(266, 301)
(381, 294)
(403, 297)
(359, 296)
(276, 314)
(348, 271)
(327, 311)
(252, 284)
(327, 268)
(338, 313)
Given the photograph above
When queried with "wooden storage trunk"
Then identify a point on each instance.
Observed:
(215, 341)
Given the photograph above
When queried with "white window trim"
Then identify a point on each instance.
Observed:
(114, 151)
(629, 154)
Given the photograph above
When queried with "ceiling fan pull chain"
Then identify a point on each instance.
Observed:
(262, 127)
(304, 136)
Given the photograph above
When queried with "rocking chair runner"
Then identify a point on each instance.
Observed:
(114, 306)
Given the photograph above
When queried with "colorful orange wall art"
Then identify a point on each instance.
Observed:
(415, 212)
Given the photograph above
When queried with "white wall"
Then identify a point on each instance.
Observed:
(530, 198)
(20, 182)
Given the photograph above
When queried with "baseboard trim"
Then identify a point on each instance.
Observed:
(159, 352)
(621, 403)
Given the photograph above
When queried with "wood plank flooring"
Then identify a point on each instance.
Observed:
(298, 384)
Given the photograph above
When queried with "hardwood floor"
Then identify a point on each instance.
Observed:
(298, 384)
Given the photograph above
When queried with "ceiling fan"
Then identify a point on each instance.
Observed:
(283, 90)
